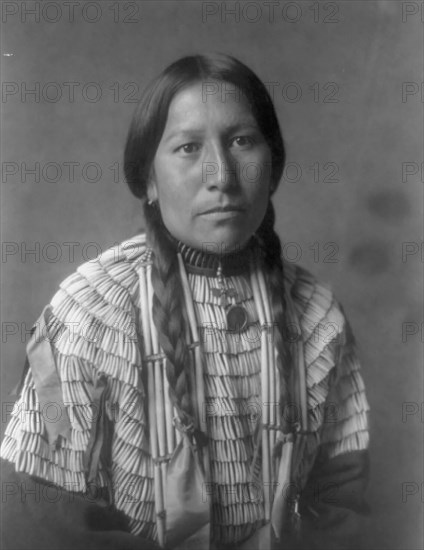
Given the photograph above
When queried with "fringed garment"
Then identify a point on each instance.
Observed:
(94, 407)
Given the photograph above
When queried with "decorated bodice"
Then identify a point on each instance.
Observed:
(91, 338)
(232, 374)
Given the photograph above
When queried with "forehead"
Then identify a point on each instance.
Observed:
(210, 104)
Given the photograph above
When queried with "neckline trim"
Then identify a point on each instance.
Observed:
(207, 263)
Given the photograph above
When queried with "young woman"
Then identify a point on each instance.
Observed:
(188, 389)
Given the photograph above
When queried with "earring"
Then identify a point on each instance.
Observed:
(151, 202)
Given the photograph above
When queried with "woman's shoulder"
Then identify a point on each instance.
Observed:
(314, 300)
(105, 287)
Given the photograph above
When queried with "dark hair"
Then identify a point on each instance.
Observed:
(143, 139)
(151, 114)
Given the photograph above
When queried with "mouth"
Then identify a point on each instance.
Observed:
(229, 208)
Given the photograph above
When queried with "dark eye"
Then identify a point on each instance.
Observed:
(189, 148)
(242, 141)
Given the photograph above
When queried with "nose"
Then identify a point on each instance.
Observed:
(219, 170)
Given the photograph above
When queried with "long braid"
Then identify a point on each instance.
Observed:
(271, 246)
(169, 314)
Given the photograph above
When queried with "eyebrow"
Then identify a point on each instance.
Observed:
(190, 132)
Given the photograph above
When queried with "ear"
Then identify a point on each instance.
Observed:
(152, 191)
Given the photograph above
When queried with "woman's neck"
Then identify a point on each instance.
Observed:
(208, 260)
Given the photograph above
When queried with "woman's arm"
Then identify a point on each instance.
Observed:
(332, 501)
(37, 515)
(82, 390)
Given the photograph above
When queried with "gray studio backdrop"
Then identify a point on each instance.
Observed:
(346, 77)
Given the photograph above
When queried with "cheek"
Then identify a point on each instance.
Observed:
(177, 192)
(166, 183)
(256, 171)
(174, 199)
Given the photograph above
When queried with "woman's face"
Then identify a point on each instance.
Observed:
(211, 172)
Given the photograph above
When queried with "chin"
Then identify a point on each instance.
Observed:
(224, 241)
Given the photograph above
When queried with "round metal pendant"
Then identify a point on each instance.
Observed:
(236, 318)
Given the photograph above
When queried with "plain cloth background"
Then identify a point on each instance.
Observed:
(346, 80)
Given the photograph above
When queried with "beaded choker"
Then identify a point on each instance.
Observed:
(222, 266)
(210, 263)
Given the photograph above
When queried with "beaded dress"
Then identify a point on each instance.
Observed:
(92, 338)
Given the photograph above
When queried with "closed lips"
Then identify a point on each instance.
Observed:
(228, 208)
